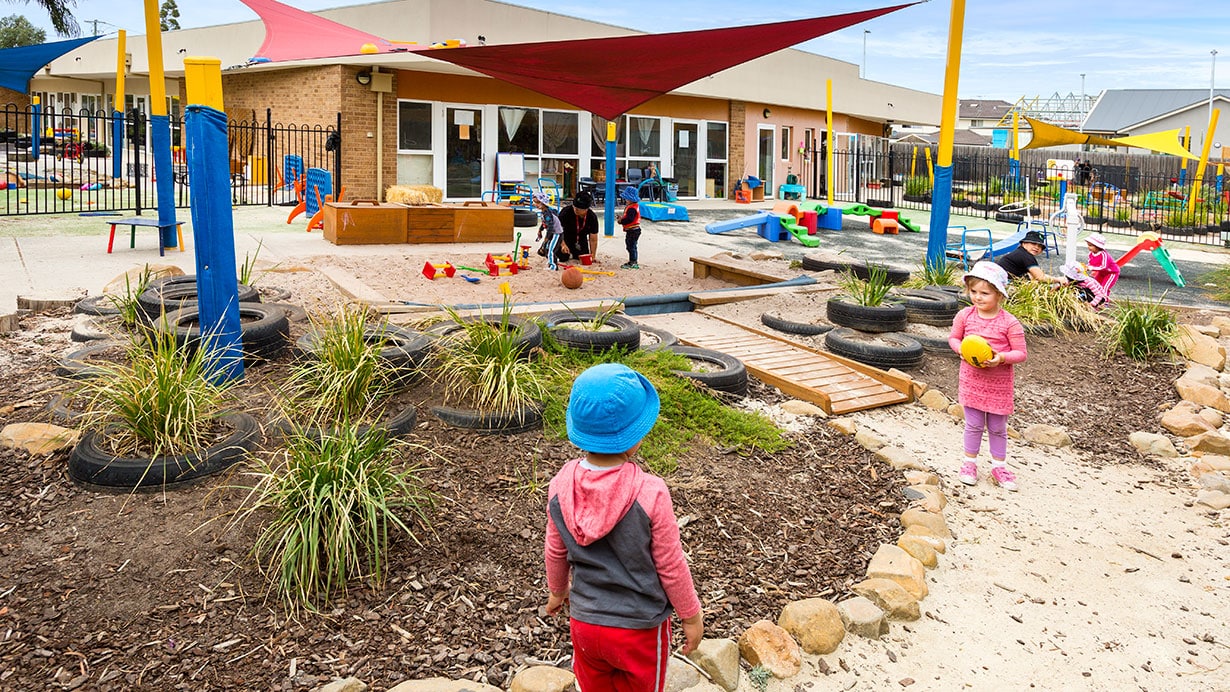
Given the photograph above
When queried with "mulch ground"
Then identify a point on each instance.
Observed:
(158, 590)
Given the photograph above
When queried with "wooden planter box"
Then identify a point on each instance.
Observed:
(471, 222)
(364, 222)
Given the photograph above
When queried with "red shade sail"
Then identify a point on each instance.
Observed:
(292, 34)
(610, 76)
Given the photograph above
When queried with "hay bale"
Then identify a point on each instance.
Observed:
(414, 194)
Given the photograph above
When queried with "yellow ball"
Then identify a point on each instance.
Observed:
(368, 48)
(976, 351)
(64, 193)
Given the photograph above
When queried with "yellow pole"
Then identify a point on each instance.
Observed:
(828, 166)
(120, 69)
(203, 81)
(153, 47)
(952, 73)
(1016, 135)
(1204, 158)
(913, 160)
(930, 166)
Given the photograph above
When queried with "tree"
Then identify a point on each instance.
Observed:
(61, 19)
(16, 30)
(168, 15)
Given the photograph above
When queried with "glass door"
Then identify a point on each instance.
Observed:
(685, 149)
(463, 178)
(765, 158)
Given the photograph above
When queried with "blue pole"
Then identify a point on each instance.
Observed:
(37, 126)
(117, 144)
(160, 139)
(608, 223)
(941, 207)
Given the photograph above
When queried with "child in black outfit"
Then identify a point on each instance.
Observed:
(631, 222)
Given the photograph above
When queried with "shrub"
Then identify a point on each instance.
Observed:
(484, 366)
(917, 185)
(346, 378)
(1035, 304)
(869, 293)
(1140, 329)
(940, 273)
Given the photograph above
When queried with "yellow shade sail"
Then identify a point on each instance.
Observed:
(1048, 135)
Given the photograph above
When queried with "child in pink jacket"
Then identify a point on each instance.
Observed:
(612, 549)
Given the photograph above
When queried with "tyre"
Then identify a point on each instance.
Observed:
(76, 365)
(400, 424)
(264, 335)
(653, 339)
(294, 313)
(930, 344)
(895, 275)
(617, 331)
(883, 351)
(1041, 329)
(925, 306)
(524, 218)
(801, 328)
(954, 291)
(404, 349)
(530, 334)
(822, 262)
(96, 305)
(273, 294)
(94, 328)
(167, 295)
(526, 418)
(888, 317)
(722, 373)
(90, 466)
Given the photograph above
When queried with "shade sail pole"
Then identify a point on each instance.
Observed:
(941, 195)
(609, 204)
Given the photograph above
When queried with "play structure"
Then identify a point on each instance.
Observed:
(785, 221)
(1152, 242)
(314, 190)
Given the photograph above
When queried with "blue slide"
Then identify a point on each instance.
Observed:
(757, 219)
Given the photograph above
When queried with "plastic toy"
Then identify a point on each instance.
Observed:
(1153, 243)
(524, 261)
(435, 271)
(497, 262)
(64, 193)
(976, 351)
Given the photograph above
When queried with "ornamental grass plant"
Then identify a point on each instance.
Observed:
(1038, 305)
(870, 292)
(1140, 329)
(346, 379)
(938, 273)
(334, 501)
(485, 367)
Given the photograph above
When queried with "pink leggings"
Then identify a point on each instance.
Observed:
(996, 425)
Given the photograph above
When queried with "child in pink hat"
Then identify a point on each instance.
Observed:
(1102, 267)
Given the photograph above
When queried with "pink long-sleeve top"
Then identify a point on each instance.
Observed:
(1103, 268)
(613, 529)
(988, 389)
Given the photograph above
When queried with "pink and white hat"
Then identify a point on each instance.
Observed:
(991, 273)
(1097, 240)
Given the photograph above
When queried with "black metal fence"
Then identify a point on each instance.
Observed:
(1123, 193)
(73, 170)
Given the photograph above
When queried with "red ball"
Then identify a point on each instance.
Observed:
(571, 278)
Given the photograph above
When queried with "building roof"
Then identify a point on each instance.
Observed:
(964, 137)
(1117, 110)
(982, 109)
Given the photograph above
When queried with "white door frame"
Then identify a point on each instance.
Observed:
(767, 180)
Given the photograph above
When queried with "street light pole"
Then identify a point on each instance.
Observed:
(865, 32)
(1212, 81)
(1081, 107)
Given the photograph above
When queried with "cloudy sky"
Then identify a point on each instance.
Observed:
(1011, 49)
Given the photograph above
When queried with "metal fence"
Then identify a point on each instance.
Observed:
(73, 170)
(1121, 193)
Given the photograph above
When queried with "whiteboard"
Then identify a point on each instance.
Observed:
(510, 168)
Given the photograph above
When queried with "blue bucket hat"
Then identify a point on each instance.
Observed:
(630, 194)
(611, 408)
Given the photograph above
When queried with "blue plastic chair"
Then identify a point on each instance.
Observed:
(964, 249)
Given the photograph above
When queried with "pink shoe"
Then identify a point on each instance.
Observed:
(968, 473)
(1003, 477)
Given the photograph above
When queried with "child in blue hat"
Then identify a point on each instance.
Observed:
(631, 222)
(612, 549)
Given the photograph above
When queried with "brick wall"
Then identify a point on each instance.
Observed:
(738, 138)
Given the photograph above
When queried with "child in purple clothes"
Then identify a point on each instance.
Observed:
(1089, 289)
(986, 392)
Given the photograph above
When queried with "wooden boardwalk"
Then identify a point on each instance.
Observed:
(837, 385)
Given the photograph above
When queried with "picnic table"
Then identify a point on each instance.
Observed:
(133, 221)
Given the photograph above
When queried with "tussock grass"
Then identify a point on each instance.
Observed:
(872, 291)
(1140, 329)
(346, 379)
(484, 366)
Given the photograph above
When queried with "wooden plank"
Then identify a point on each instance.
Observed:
(351, 287)
(729, 269)
(719, 297)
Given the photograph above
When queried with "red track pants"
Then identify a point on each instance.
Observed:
(614, 659)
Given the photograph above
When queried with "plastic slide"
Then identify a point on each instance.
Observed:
(790, 224)
(1163, 258)
(755, 220)
(1153, 243)
(908, 225)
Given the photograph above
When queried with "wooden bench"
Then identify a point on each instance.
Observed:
(133, 221)
(731, 270)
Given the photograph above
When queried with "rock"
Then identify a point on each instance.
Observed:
(891, 562)
(924, 534)
(869, 440)
(1213, 499)
(899, 458)
(845, 426)
(921, 478)
(957, 411)
(704, 687)
(121, 284)
(1197, 372)
(1210, 463)
(815, 623)
(679, 676)
(347, 685)
(720, 659)
(545, 679)
(1212, 442)
(1202, 393)
(1153, 445)
(919, 550)
(766, 255)
(766, 644)
(1213, 417)
(1215, 481)
(38, 438)
(890, 597)
(443, 685)
(1209, 330)
(932, 496)
(1201, 348)
(803, 408)
(935, 399)
(1049, 435)
(1221, 322)
(862, 617)
(1185, 420)
(933, 522)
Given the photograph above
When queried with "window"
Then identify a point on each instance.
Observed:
(644, 137)
(413, 126)
(975, 123)
(787, 141)
(559, 133)
(518, 130)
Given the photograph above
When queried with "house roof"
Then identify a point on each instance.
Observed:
(1117, 110)
(965, 137)
(982, 109)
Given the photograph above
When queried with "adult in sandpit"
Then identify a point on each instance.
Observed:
(1023, 260)
(580, 226)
